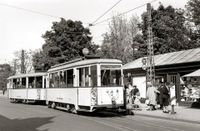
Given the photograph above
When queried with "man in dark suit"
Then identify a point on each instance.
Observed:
(165, 97)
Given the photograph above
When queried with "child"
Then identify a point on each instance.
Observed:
(137, 103)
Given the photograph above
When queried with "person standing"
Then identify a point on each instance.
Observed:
(151, 95)
(160, 95)
(134, 92)
(172, 97)
(129, 103)
(165, 97)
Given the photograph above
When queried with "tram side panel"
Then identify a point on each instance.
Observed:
(43, 94)
(62, 95)
(36, 94)
(18, 94)
(84, 96)
(110, 96)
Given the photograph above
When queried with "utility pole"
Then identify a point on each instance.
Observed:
(22, 63)
(150, 52)
(15, 66)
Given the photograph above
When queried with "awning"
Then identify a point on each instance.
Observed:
(193, 74)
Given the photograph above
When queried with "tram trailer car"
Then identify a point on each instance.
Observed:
(27, 87)
(85, 85)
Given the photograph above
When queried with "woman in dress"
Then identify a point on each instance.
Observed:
(151, 95)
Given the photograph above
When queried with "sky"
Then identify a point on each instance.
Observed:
(23, 22)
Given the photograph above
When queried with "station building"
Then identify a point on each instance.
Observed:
(182, 68)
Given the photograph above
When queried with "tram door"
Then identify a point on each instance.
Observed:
(84, 89)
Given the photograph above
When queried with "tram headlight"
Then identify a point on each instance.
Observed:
(94, 96)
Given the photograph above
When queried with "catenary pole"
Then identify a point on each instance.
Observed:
(150, 51)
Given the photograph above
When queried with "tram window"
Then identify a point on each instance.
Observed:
(23, 83)
(14, 83)
(31, 82)
(84, 76)
(81, 77)
(39, 82)
(70, 78)
(62, 79)
(45, 80)
(51, 85)
(93, 75)
(54, 80)
(18, 83)
(110, 77)
(87, 76)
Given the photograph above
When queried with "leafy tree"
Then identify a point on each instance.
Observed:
(63, 42)
(193, 11)
(169, 30)
(5, 72)
(117, 42)
(27, 61)
(193, 17)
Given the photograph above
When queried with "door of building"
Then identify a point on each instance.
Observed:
(175, 78)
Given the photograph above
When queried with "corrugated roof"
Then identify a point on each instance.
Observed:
(179, 57)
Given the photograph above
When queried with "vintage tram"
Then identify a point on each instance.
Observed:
(85, 85)
(27, 87)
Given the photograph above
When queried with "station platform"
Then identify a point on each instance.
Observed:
(183, 113)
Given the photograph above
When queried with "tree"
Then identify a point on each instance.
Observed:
(169, 31)
(63, 42)
(5, 72)
(193, 21)
(27, 61)
(193, 11)
(117, 42)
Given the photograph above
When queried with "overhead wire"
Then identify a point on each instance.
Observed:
(28, 10)
(32, 11)
(123, 13)
(106, 12)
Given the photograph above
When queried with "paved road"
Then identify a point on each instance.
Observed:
(24, 117)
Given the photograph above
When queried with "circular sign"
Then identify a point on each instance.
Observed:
(144, 67)
(144, 61)
(85, 51)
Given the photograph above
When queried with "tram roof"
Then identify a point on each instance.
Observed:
(27, 75)
(83, 62)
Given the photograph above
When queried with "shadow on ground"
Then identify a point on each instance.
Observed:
(30, 124)
(195, 105)
(103, 114)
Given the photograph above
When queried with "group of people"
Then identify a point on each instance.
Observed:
(164, 95)
(132, 98)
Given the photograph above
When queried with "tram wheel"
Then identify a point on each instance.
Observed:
(49, 105)
(73, 110)
(53, 105)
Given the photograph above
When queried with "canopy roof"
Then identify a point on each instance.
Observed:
(193, 74)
